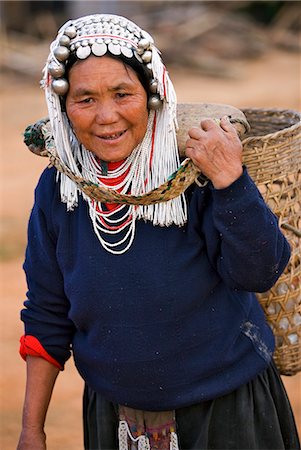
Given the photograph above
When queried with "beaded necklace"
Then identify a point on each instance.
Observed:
(113, 224)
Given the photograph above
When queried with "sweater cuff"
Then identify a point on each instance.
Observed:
(30, 345)
(244, 186)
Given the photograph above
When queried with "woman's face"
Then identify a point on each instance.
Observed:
(107, 106)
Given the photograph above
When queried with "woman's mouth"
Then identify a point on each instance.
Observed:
(112, 136)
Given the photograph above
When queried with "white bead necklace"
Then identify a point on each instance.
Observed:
(132, 175)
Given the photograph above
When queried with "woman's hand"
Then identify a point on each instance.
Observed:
(32, 439)
(217, 151)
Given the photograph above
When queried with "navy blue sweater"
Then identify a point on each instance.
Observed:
(171, 322)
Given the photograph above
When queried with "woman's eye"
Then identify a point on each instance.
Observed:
(86, 100)
(122, 94)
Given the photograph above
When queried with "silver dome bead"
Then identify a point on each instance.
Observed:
(56, 70)
(154, 102)
(60, 86)
(61, 53)
(70, 32)
(64, 40)
(153, 86)
(147, 36)
(144, 43)
(147, 57)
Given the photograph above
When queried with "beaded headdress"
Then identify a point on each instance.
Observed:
(150, 163)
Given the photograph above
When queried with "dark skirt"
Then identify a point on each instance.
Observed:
(256, 416)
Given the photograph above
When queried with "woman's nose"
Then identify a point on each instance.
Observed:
(106, 112)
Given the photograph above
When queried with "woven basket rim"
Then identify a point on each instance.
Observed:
(275, 134)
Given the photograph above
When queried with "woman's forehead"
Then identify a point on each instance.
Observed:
(99, 66)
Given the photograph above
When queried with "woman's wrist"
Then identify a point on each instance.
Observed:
(224, 180)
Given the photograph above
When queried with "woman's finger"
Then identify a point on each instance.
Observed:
(196, 133)
(226, 125)
(209, 124)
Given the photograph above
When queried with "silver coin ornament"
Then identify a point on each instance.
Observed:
(99, 49)
(83, 52)
(127, 52)
(60, 86)
(61, 53)
(114, 49)
(154, 102)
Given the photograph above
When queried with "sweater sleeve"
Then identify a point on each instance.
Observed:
(30, 346)
(45, 315)
(246, 245)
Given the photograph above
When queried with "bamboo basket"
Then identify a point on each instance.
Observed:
(272, 153)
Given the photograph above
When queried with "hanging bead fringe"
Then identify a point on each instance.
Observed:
(174, 444)
(123, 435)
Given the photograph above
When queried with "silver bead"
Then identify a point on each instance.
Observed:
(153, 86)
(154, 102)
(144, 43)
(64, 40)
(60, 86)
(70, 32)
(147, 36)
(61, 53)
(147, 56)
(56, 70)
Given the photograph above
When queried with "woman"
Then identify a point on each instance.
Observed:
(156, 301)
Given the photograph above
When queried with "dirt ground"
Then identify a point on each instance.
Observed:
(272, 81)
